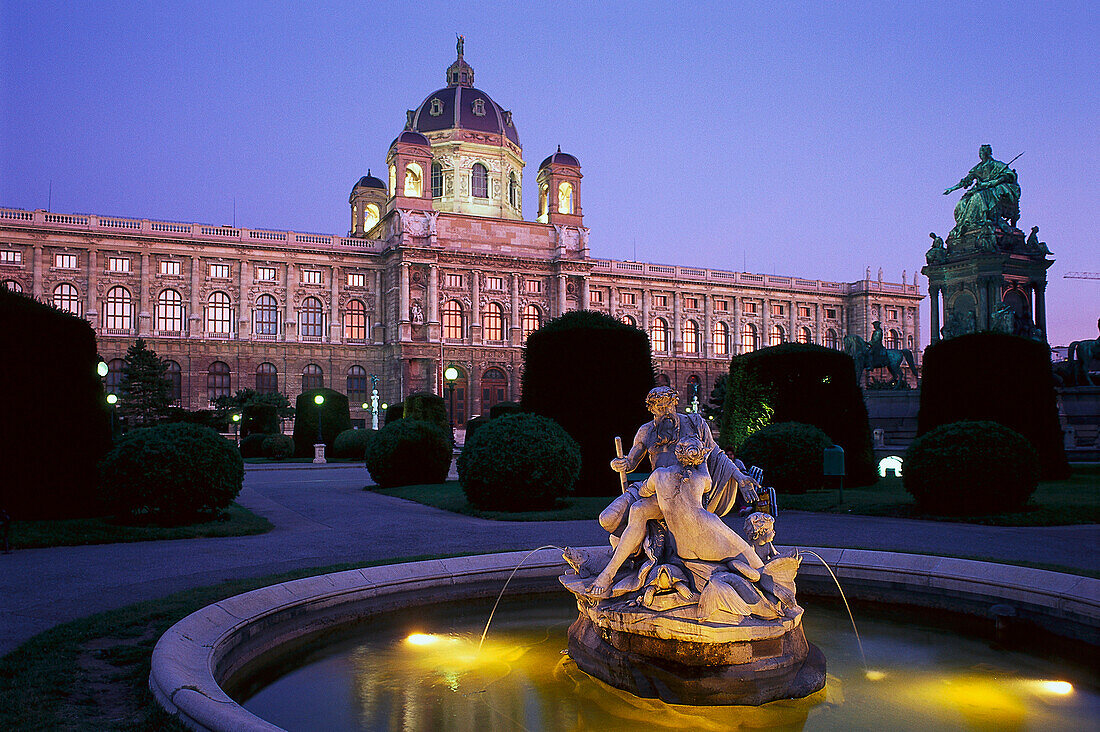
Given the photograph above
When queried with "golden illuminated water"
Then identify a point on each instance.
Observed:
(421, 670)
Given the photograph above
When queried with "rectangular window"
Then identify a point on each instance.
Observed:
(454, 280)
(311, 276)
(628, 298)
(749, 308)
(891, 313)
(118, 264)
(830, 313)
(9, 256)
(534, 286)
(779, 309)
(168, 267)
(357, 279)
(595, 296)
(722, 306)
(266, 274)
(494, 283)
(803, 311)
(692, 303)
(660, 301)
(220, 271)
(64, 261)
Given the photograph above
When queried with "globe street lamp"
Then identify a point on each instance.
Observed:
(101, 369)
(451, 375)
(319, 400)
(112, 400)
(236, 427)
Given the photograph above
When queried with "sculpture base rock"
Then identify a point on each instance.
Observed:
(768, 669)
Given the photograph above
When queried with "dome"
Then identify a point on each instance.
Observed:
(369, 181)
(463, 107)
(560, 158)
(410, 137)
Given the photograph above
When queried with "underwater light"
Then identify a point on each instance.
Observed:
(875, 675)
(422, 639)
(1055, 687)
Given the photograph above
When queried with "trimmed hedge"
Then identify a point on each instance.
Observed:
(253, 445)
(335, 418)
(409, 452)
(278, 447)
(56, 425)
(171, 473)
(473, 425)
(352, 444)
(791, 454)
(519, 462)
(797, 382)
(428, 407)
(971, 468)
(997, 377)
(393, 413)
(501, 409)
(260, 419)
(590, 373)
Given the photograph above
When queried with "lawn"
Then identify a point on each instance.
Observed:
(234, 521)
(1075, 500)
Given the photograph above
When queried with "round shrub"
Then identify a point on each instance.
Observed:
(278, 447)
(473, 425)
(521, 462)
(171, 473)
(253, 445)
(351, 444)
(970, 469)
(409, 452)
(501, 409)
(791, 454)
(428, 407)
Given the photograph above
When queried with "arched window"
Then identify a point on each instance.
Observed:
(565, 197)
(658, 335)
(219, 314)
(267, 378)
(721, 338)
(219, 381)
(532, 320)
(393, 180)
(175, 380)
(120, 309)
(831, 339)
(893, 339)
(513, 190)
(479, 181)
(113, 382)
(454, 321)
(492, 320)
(267, 316)
(12, 286)
(312, 318)
(355, 321)
(312, 377)
(691, 337)
(168, 315)
(65, 297)
(437, 180)
(494, 389)
(750, 338)
(629, 320)
(414, 180)
(777, 335)
(370, 216)
(357, 385)
(804, 335)
(909, 342)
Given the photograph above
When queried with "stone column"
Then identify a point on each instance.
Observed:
(433, 293)
(707, 348)
(243, 306)
(403, 295)
(584, 295)
(735, 336)
(765, 323)
(91, 310)
(379, 329)
(475, 307)
(983, 304)
(517, 332)
(196, 304)
(336, 319)
(143, 318)
(934, 312)
(36, 271)
(645, 311)
(819, 337)
(562, 279)
(1041, 307)
(613, 301)
(792, 334)
(677, 325)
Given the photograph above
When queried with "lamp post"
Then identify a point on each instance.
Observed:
(236, 419)
(319, 446)
(112, 400)
(451, 374)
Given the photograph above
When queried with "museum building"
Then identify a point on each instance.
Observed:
(439, 269)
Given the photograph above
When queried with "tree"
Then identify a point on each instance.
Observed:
(146, 388)
(260, 413)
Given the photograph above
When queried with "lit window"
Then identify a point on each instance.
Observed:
(628, 298)
(595, 296)
(493, 322)
(168, 267)
(266, 274)
(628, 320)
(750, 339)
(414, 180)
(831, 339)
(9, 256)
(357, 385)
(65, 261)
(479, 181)
(219, 271)
(803, 311)
(357, 279)
(312, 377)
(219, 381)
(219, 314)
(893, 339)
(120, 311)
(65, 297)
(355, 321)
(267, 378)
(658, 335)
(691, 337)
(393, 180)
(660, 301)
(533, 286)
(118, 264)
(691, 303)
(454, 280)
(312, 315)
(370, 216)
(543, 203)
(267, 316)
(513, 190)
(721, 306)
(777, 335)
(804, 335)
(721, 337)
(168, 315)
(891, 313)
(311, 276)
(437, 180)
(565, 197)
(175, 381)
(494, 283)
(532, 320)
(454, 326)
(779, 309)
(749, 308)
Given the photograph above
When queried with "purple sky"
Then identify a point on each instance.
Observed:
(809, 139)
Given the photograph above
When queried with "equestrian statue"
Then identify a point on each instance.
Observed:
(873, 355)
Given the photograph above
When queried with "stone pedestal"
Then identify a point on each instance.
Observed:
(319, 454)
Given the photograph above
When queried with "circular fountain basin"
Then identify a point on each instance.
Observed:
(223, 641)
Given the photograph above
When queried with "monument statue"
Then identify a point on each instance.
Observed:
(937, 254)
(1085, 355)
(992, 197)
(869, 355)
(1034, 245)
(416, 313)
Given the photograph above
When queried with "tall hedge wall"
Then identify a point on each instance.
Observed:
(335, 418)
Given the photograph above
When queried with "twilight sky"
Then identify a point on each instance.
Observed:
(809, 139)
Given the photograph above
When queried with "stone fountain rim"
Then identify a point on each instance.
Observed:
(200, 651)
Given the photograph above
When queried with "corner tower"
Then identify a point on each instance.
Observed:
(476, 158)
(368, 203)
(559, 182)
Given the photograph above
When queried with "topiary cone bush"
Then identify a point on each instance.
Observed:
(409, 452)
(428, 407)
(798, 382)
(590, 373)
(352, 444)
(791, 454)
(519, 462)
(970, 469)
(335, 418)
(997, 377)
(171, 474)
